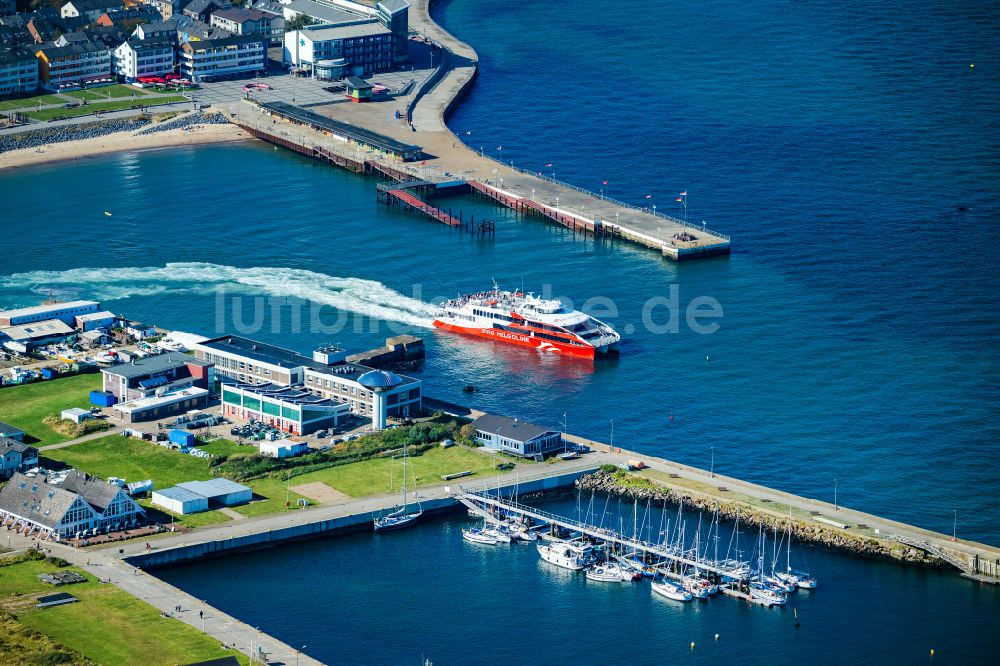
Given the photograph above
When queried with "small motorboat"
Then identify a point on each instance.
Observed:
(476, 535)
(670, 590)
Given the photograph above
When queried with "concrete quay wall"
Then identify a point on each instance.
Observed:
(349, 521)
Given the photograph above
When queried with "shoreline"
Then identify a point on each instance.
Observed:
(122, 142)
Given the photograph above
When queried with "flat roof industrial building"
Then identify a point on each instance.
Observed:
(195, 496)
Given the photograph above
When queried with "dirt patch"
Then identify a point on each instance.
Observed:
(319, 492)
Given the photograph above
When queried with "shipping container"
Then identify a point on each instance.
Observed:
(182, 438)
(102, 398)
(49, 373)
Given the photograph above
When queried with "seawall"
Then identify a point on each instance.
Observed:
(351, 517)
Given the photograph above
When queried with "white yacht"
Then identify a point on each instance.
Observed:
(564, 554)
(605, 573)
(476, 535)
(670, 590)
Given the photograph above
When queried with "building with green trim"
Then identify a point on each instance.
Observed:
(288, 408)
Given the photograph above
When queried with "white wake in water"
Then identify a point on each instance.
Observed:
(365, 297)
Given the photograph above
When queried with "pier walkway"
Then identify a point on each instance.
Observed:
(487, 506)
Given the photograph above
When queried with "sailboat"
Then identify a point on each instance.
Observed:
(402, 516)
(790, 576)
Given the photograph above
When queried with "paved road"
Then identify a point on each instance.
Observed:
(114, 430)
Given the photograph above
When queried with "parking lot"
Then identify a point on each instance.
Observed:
(305, 91)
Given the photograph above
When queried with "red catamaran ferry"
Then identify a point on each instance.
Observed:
(529, 321)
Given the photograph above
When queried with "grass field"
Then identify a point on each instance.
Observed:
(135, 460)
(110, 92)
(27, 406)
(30, 102)
(108, 626)
(385, 475)
(47, 114)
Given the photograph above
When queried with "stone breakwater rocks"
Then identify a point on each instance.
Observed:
(40, 137)
(641, 488)
(196, 118)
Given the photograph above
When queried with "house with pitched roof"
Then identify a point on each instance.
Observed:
(82, 504)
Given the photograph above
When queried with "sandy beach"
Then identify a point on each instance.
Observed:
(121, 142)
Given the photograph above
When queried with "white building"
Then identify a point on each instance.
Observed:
(144, 57)
(18, 72)
(139, 330)
(64, 312)
(226, 58)
(333, 52)
(80, 505)
(283, 448)
(180, 501)
(75, 414)
(222, 491)
(90, 9)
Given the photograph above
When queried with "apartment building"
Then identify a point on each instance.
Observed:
(69, 67)
(225, 58)
(149, 57)
(18, 72)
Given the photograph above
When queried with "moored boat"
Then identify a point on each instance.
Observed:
(564, 554)
(670, 590)
(476, 535)
(606, 572)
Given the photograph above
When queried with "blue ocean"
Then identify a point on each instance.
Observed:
(852, 152)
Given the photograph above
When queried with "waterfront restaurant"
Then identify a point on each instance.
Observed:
(351, 134)
(515, 437)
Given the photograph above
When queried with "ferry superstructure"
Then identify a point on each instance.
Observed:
(529, 321)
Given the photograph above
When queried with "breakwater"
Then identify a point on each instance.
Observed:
(195, 118)
(631, 486)
(37, 138)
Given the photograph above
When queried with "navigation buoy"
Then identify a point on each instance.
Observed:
(932, 652)
(717, 637)
(708, 359)
(972, 65)
(692, 645)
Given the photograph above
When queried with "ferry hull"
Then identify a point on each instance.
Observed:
(520, 340)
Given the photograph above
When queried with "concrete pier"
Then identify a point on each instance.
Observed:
(445, 158)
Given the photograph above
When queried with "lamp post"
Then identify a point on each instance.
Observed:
(713, 463)
(612, 433)
(954, 525)
(836, 506)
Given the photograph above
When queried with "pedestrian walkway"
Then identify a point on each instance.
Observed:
(176, 603)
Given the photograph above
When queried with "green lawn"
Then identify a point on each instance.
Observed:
(110, 92)
(133, 460)
(373, 477)
(26, 406)
(107, 625)
(47, 114)
(223, 447)
(30, 102)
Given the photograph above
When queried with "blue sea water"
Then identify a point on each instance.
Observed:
(858, 346)
(392, 598)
